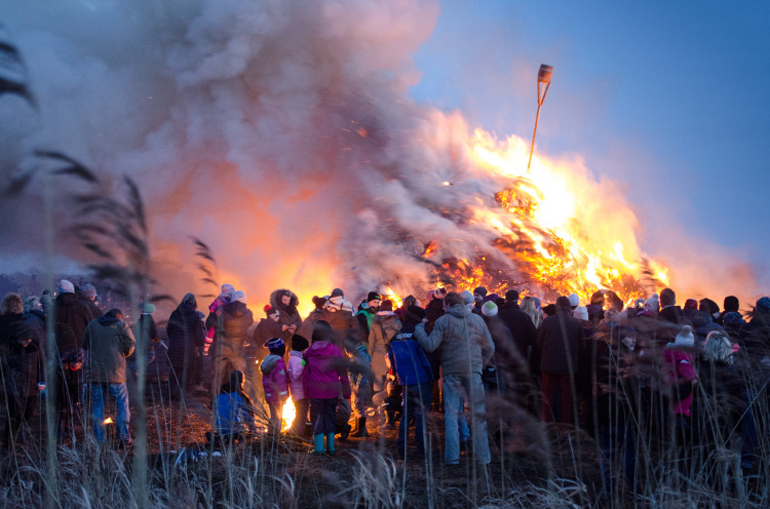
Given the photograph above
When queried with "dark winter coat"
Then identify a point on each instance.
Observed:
(72, 312)
(108, 342)
(236, 319)
(92, 307)
(19, 364)
(559, 340)
(520, 324)
(267, 329)
(185, 336)
(434, 310)
(289, 315)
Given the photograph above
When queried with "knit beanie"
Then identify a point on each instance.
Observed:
(88, 290)
(65, 286)
(581, 312)
(574, 300)
(467, 297)
(147, 308)
(691, 304)
(239, 296)
(480, 291)
(685, 337)
(763, 305)
(489, 309)
(337, 292)
(373, 296)
(274, 344)
(512, 296)
(299, 343)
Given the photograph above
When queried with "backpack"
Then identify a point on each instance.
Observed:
(408, 361)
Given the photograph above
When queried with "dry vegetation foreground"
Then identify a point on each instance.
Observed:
(180, 471)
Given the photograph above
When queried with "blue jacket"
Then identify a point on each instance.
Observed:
(408, 360)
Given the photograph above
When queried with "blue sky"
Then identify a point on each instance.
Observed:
(670, 98)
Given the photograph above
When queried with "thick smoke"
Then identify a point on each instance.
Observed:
(279, 132)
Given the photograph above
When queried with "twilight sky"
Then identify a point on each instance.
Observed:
(669, 98)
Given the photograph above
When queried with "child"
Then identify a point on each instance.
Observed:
(361, 389)
(215, 308)
(235, 413)
(323, 378)
(296, 367)
(275, 382)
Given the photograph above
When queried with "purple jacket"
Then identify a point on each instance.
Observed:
(274, 379)
(325, 372)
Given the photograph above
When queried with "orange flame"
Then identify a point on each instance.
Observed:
(288, 414)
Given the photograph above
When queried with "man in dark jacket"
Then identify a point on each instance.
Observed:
(109, 341)
(466, 347)
(232, 333)
(72, 318)
(518, 322)
(185, 341)
(88, 297)
(559, 340)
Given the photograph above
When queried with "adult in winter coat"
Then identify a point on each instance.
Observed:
(18, 357)
(338, 313)
(518, 322)
(384, 326)
(306, 329)
(87, 295)
(109, 341)
(232, 329)
(367, 310)
(559, 340)
(268, 327)
(35, 323)
(71, 311)
(286, 302)
(466, 347)
(185, 340)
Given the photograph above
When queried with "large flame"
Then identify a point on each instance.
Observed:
(288, 413)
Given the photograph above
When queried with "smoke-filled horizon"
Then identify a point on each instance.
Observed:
(281, 133)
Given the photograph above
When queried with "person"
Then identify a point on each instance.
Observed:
(109, 341)
(360, 384)
(731, 304)
(367, 310)
(296, 367)
(338, 312)
(275, 382)
(338, 302)
(671, 317)
(681, 377)
(520, 324)
(466, 348)
(236, 417)
(323, 380)
(414, 374)
(88, 296)
(268, 327)
(286, 302)
(385, 325)
(146, 333)
(479, 294)
(435, 307)
(306, 329)
(186, 338)
(232, 330)
(215, 311)
(559, 340)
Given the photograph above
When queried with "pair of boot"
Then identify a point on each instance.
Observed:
(318, 445)
(360, 431)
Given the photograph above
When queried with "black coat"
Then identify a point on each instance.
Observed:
(232, 329)
(559, 339)
(72, 312)
(185, 336)
(520, 324)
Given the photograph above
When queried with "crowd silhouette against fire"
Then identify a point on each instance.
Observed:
(691, 377)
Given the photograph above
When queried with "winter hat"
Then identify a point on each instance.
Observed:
(299, 343)
(652, 304)
(691, 304)
(88, 290)
(268, 309)
(467, 297)
(147, 308)
(685, 337)
(373, 296)
(189, 300)
(512, 296)
(65, 286)
(489, 309)
(733, 318)
(228, 289)
(337, 292)
(574, 300)
(581, 312)
(480, 291)
(274, 344)
(763, 305)
(239, 296)
(731, 303)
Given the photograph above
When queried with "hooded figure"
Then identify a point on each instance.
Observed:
(275, 381)
(385, 325)
(679, 372)
(185, 340)
(235, 413)
(286, 302)
(232, 329)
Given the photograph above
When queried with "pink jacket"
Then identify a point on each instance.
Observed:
(296, 368)
(274, 379)
(325, 372)
(680, 371)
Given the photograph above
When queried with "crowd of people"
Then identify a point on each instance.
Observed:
(687, 376)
